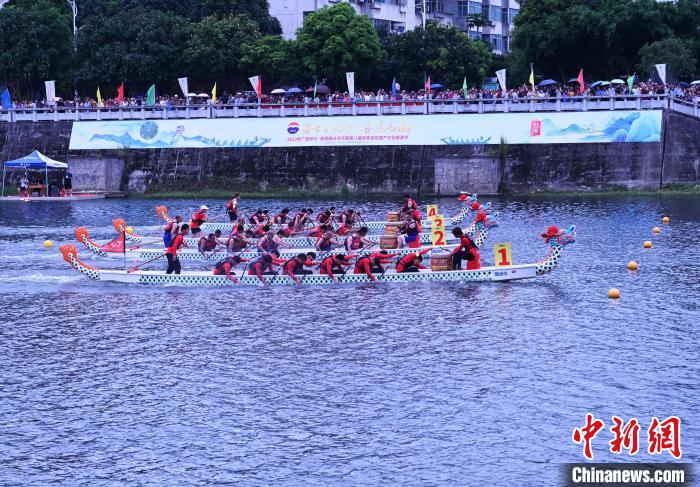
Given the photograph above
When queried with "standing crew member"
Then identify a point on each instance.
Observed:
(198, 219)
(67, 183)
(232, 207)
(224, 267)
(467, 250)
(412, 262)
(367, 264)
(171, 230)
(409, 204)
(171, 253)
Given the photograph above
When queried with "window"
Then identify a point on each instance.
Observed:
(504, 15)
(475, 8)
(463, 8)
(474, 35)
(496, 42)
(494, 13)
(512, 13)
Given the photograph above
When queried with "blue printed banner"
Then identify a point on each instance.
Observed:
(460, 129)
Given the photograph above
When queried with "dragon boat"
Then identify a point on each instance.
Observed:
(478, 229)
(556, 244)
(469, 206)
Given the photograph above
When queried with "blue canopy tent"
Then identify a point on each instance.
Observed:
(35, 160)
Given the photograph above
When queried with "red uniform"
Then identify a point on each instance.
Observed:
(466, 246)
(289, 267)
(344, 228)
(257, 269)
(177, 242)
(198, 219)
(364, 264)
(411, 260)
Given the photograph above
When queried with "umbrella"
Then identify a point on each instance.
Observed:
(436, 86)
(296, 89)
(203, 95)
(696, 82)
(547, 82)
(573, 80)
(599, 83)
(683, 84)
(278, 91)
(320, 89)
(192, 95)
(617, 81)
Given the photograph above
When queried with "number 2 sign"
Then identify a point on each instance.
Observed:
(502, 255)
(438, 231)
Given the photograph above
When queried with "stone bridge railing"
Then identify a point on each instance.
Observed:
(378, 108)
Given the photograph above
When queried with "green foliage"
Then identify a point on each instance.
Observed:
(215, 47)
(445, 53)
(602, 36)
(334, 40)
(678, 54)
(35, 45)
(276, 59)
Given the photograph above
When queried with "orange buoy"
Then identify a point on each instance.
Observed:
(632, 265)
(614, 293)
(647, 244)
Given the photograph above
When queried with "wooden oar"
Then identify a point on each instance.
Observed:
(144, 263)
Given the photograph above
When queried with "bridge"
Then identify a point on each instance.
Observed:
(378, 108)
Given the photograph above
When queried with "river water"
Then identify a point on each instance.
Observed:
(393, 384)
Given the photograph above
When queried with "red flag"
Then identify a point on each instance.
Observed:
(580, 81)
(120, 93)
(116, 245)
(427, 86)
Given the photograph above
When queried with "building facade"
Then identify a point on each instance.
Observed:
(401, 15)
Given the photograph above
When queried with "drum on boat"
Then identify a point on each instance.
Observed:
(392, 229)
(441, 262)
(388, 242)
(393, 216)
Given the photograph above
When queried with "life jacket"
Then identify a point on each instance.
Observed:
(207, 245)
(268, 245)
(176, 244)
(281, 219)
(198, 218)
(220, 265)
(325, 243)
(356, 243)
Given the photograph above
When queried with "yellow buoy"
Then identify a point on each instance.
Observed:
(666, 220)
(647, 244)
(632, 265)
(129, 230)
(656, 230)
(48, 244)
(614, 293)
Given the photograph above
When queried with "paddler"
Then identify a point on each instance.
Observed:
(237, 241)
(232, 207)
(317, 231)
(171, 229)
(175, 245)
(226, 265)
(290, 229)
(357, 240)
(466, 249)
(295, 266)
(334, 264)
(261, 230)
(208, 244)
(198, 219)
(281, 217)
(412, 262)
(326, 242)
(326, 217)
(257, 218)
(347, 218)
(260, 267)
(374, 262)
(270, 242)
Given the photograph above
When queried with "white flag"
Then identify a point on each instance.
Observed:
(350, 77)
(501, 75)
(661, 68)
(256, 82)
(183, 86)
(50, 92)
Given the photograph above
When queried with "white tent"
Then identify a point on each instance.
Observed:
(35, 160)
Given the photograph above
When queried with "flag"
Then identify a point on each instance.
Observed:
(532, 77)
(661, 68)
(6, 100)
(315, 87)
(116, 245)
(501, 75)
(427, 86)
(630, 82)
(213, 94)
(120, 93)
(50, 92)
(581, 86)
(464, 88)
(99, 98)
(184, 86)
(151, 96)
(350, 78)
(256, 82)
(393, 88)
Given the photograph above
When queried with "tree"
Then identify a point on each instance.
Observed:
(138, 46)
(215, 47)
(444, 53)
(335, 39)
(35, 45)
(276, 59)
(677, 54)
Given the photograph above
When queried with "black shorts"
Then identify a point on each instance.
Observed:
(195, 231)
(233, 216)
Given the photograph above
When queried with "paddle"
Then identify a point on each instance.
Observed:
(146, 262)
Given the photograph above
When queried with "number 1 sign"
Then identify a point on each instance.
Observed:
(502, 255)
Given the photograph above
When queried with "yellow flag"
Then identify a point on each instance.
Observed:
(213, 94)
(532, 77)
(99, 98)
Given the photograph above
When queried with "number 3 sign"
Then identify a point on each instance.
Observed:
(502, 255)
(438, 230)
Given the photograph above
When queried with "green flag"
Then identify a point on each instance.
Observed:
(464, 88)
(315, 86)
(151, 96)
(630, 82)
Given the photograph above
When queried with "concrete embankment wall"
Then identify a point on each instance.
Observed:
(367, 169)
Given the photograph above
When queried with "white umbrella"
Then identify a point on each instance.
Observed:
(617, 82)
(278, 91)
(203, 95)
(696, 82)
(192, 95)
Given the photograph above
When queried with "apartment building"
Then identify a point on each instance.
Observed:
(401, 15)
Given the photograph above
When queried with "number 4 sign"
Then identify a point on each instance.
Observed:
(502, 255)
(438, 231)
(432, 211)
